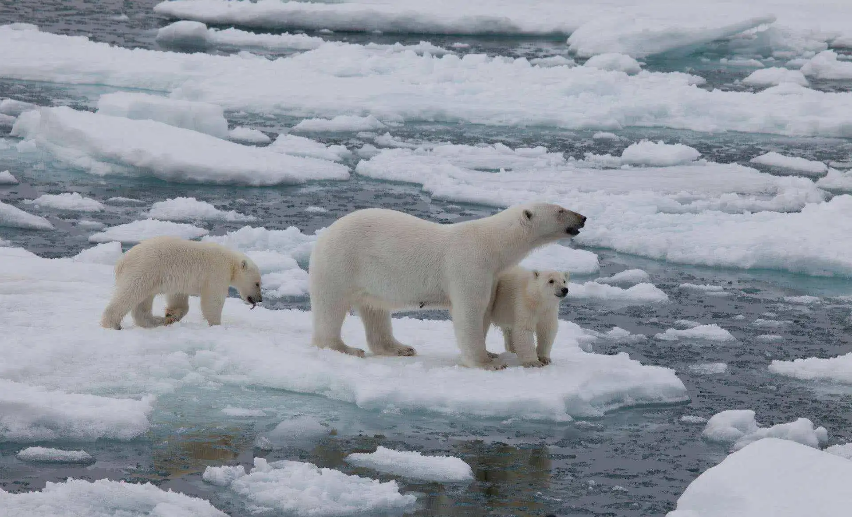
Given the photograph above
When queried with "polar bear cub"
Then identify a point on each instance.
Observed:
(526, 303)
(179, 269)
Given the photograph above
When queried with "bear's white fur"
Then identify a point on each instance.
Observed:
(179, 269)
(377, 261)
(526, 305)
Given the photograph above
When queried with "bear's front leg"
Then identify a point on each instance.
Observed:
(524, 341)
(468, 313)
(545, 335)
(212, 302)
(177, 305)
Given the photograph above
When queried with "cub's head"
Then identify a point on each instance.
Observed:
(247, 281)
(551, 283)
(550, 222)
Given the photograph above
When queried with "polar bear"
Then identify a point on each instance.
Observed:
(526, 304)
(378, 260)
(179, 269)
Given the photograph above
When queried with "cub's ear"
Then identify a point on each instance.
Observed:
(244, 265)
(528, 215)
(535, 274)
(567, 276)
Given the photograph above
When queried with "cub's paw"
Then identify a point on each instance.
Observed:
(403, 350)
(494, 365)
(544, 360)
(492, 355)
(532, 364)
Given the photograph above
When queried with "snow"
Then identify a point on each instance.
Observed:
(399, 83)
(825, 65)
(833, 369)
(70, 201)
(775, 76)
(637, 294)
(562, 258)
(836, 180)
(13, 217)
(301, 146)
(794, 163)
(770, 477)
(271, 349)
(739, 428)
(47, 455)
(106, 253)
(104, 498)
(441, 469)
(191, 209)
(627, 277)
(303, 489)
(187, 34)
(247, 135)
(198, 116)
(708, 368)
(842, 450)
(102, 144)
(340, 123)
(711, 332)
(6, 178)
(615, 63)
(14, 108)
(547, 62)
(34, 414)
(659, 154)
(145, 229)
(243, 412)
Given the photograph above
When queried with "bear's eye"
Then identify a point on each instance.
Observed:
(550, 282)
(257, 284)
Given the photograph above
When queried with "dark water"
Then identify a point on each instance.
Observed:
(630, 463)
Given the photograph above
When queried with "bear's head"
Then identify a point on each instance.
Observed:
(551, 283)
(550, 222)
(247, 281)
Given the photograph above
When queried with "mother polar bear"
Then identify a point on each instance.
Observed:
(378, 260)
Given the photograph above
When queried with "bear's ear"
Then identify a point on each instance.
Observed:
(535, 274)
(528, 215)
(567, 276)
(244, 265)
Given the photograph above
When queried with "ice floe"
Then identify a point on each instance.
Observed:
(658, 154)
(197, 116)
(832, 369)
(14, 217)
(794, 163)
(145, 229)
(48, 455)
(6, 178)
(300, 146)
(739, 428)
(708, 368)
(340, 123)
(562, 258)
(70, 201)
(413, 465)
(627, 277)
(191, 209)
(615, 63)
(825, 65)
(638, 294)
(247, 135)
(712, 332)
(106, 253)
(775, 76)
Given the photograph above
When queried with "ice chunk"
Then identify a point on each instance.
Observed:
(340, 123)
(692, 419)
(638, 294)
(119, 200)
(243, 412)
(836, 180)
(6, 121)
(804, 299)
(443, 469)
(775, 76)
(770, 338)
(238, 38)
(658, 154)
(708, 368)
(562, 258)
(843, 450)
(14, 108)
(316, 210)
(70, 201)
(34, 414)
(191, 209)
(96, 142)
(197, 116)
(825, 65)
(739, 427)
(247, 135)
(627, 277)
(833, 369)
(615, 63)
(604, 135)
(107, 253)
(794, 163)
(290, 242)
(145, 229)
(186, 34)
(551, 61)
(712, 332)
(707, 288)
(47, 455)
(14, 217)
(297, 428)
(104, 498)
(770, 477)
(303, 489)
(301, 146)
(619, 335)
(6, 178)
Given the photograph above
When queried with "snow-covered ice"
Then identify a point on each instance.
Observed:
(6, 178)
(48, 455)
(300, 146)
(794, 163)
(14, 107)
(692, 419)
(842, 450)
(103, 144)
(303, 489)
(70, 201)
(706, 288)
(145, 229)
(106, 253)
(658, 154)
(638, 294)
(708, 368)
(770, 477)
(711, 332)
(826, 65)
(614, 62)
(412, 464)
(775, 76)
(247, 135)
(14, 217)
(739, 428)
(191, 209)
(627, 277)
(836, 180)
(562, 258)
(340, 123)
(833, 369)
(197, 116)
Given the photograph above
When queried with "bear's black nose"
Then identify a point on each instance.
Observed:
(250, 299)
(582, 220)
(564, 290)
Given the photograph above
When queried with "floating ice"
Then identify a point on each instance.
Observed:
(803, 165)
(604, 135)
(562, 258)
(707, 288)
(615, 63)
(296, 428)
(14, 108)
(186, 34)
(104, 498)
(191, 209)
(125, 201)
(34, 414)
(627, 277)
(47, 455)
(301, 146)
(619, 335)
(106, 253)
(196, 36)
(145, 229)
(6, 121)
(770, 338)
(836, 180)
(708, 368)
(443, 469)
(247, 135)
(316, 210)
(842, 450)
(340, 123)
(658, 154)
(638, 294)
(6, 178)
(103, 144)
(803, 300)
(710, 332)
(70, 201)
(692, 419)
(550, 61)
(770, 477)
(303, 489)
(832, 369)
(739, 427)
(197, 116)
(825, 65)
(775, 76)
(14, 217)
(243, 412)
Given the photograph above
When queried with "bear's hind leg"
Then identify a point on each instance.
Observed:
(177, 305)
(377, 324)
(328, 321)
(142, 315)
(121, 303)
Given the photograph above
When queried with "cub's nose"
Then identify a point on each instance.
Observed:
(564, 291)
(259, 298)
(250, 299)
(582, 220)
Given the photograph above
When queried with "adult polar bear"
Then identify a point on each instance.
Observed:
(378, 260)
